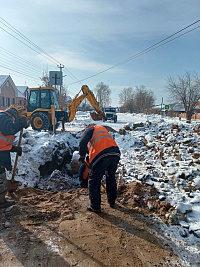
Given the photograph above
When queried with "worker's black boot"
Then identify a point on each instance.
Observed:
(5, 203)
(96, 210)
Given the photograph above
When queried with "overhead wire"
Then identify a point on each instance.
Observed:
(14, 62)
(18, 75)
(42, 52)
(50, 58)
(13, 29)
(18, 72)
(25, 44)
(147, 50)
(20, 58)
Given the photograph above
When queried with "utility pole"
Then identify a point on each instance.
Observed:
(162, 103)
(61, 67)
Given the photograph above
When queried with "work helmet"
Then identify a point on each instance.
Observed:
(13, 112)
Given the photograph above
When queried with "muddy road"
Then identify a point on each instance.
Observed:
(55, 229)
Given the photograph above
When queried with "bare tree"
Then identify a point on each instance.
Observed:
(64, 98)
(138, 100)
(103, 94)
(144, 99)
(45, 80)
(125, 95)
(186, 90)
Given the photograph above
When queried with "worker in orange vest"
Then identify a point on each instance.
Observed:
(104, 156)
(10, 124)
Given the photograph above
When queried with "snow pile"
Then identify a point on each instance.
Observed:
(40, 148)
(165, 153)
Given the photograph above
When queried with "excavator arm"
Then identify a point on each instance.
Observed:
(87, 93)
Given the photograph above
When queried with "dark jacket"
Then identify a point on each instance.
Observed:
(8, 127)
(85, 138)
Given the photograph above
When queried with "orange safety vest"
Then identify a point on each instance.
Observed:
(6, 141)
(101, 139)
(86, 172)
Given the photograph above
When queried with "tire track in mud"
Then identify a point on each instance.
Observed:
(48, 227)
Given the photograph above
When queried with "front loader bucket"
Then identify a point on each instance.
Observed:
(97, 116)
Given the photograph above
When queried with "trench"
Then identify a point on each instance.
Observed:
(58, 162)
(59, 174)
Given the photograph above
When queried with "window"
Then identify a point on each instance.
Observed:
(110, 109)
(54, 100)
(34, 99)
(7, 102)
(20, 102)
(2, 101)
(13, 101)
(45, 99)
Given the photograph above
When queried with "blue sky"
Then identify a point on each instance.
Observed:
(88, 37)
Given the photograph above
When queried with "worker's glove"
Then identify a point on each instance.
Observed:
(16, 149)
(81, 159)
(23, 121)
(84, 183)
(19, 151)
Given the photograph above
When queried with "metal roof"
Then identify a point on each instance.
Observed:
(3, 79)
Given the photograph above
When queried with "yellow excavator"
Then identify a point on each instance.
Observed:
(43, 110)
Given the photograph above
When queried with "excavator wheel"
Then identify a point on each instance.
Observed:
(40, 121)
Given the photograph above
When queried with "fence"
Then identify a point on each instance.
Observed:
(183, 115)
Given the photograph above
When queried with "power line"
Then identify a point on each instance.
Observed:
(156, 45)
(19, 65)
(21, 76)
(19, 72)
(20, 58)
(13, 29)
(26, 44)
(49, 57)
(73, 77)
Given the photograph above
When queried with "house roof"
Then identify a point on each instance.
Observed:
(22, 90)
(3, 79)
(19, 90)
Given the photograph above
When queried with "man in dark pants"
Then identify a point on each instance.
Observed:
(10, 124)
(104, 156)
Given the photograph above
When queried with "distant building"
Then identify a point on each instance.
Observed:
(180, 109)
(22, 91)
(177, 107)
(9, 92)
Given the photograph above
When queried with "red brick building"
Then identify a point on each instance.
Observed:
(9, 92)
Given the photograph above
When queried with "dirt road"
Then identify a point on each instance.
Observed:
(55, 230)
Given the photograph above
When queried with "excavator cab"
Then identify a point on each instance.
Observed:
(42, 98)
(43, 108)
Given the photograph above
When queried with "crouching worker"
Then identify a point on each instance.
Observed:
(83, 173)
(10, 124)
(104, 156)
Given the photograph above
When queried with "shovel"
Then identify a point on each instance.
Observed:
(12, 184)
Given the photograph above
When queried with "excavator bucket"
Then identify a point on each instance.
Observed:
(97, 116)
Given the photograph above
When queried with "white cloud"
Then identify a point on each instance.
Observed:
(76, 61)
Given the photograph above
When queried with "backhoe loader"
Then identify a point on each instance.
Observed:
(87, 93)
(43, 110)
